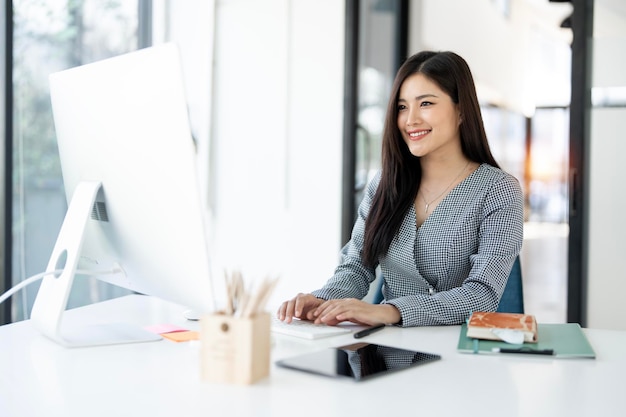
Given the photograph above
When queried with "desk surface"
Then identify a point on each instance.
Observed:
(40, 378)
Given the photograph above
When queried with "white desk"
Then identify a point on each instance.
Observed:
(40, 378)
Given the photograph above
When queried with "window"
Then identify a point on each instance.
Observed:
(49, 36)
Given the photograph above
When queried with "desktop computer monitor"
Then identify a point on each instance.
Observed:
(135, 213)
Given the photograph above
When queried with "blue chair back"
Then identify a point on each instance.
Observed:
(512, 300)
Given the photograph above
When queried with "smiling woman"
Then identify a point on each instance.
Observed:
(427, 117)
(442, 221)
(429, 122)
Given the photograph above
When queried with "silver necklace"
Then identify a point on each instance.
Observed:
(427, 204)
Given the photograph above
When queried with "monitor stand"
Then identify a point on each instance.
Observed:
(51, 301)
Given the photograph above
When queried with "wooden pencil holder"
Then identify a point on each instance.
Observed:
(235, 350)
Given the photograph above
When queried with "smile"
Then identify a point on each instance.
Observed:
(416, 135)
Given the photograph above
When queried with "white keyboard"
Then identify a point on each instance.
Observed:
(306, 329)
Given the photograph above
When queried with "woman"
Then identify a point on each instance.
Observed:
(441, 219)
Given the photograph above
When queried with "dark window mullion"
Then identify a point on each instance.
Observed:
(7, 164)
(350, 108)
(582, 27)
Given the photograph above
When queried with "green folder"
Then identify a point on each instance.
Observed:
(566, 340)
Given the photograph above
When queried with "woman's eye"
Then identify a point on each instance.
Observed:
(401, 107)
(425, 103)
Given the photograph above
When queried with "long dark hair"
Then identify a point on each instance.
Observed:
(401, 171)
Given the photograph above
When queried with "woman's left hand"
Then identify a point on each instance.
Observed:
(332, 312)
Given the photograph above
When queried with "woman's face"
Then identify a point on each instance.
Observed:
(427, 117)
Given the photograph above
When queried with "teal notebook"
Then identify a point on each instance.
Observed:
(565, 340)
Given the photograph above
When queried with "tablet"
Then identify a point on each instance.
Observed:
(357, 362)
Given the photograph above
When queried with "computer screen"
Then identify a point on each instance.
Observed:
(129, 169)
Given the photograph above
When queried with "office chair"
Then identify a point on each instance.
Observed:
(512, 300)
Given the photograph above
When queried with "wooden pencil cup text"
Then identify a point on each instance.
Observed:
(234, 349)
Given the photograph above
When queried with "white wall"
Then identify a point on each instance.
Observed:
(273, 137)
(607, 223)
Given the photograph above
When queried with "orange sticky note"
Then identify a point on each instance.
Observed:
(182, 336)
(165, 328)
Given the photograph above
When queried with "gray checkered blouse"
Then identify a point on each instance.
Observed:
(456, 262)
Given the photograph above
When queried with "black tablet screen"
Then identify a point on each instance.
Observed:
(358, 361)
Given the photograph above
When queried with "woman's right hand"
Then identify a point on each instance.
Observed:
(301, 306)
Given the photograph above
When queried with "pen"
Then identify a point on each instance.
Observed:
(368, 331)
(525, 350)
